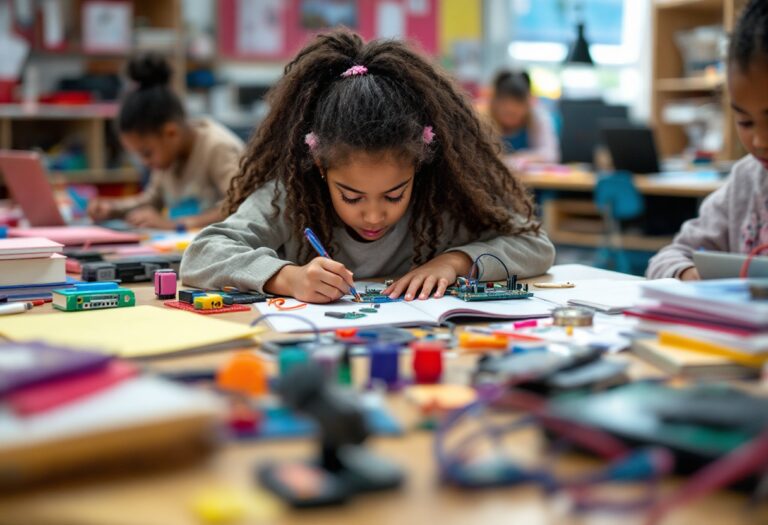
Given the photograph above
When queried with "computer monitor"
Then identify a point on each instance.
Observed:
(25, 177)
(632, 147)
(580, 130)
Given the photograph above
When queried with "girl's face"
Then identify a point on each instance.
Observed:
(509, 113)
(370, 193)
(749, 99)
(158, 150)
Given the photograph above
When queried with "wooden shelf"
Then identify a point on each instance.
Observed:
(96, 176)
(711, 5)
(107, 110)
(690, 84)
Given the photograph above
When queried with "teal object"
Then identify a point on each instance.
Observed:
(618, 200)
(187, 207)
(290, 357)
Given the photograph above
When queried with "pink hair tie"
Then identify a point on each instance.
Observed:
(354, 71)
(311, 140)
(428, 135)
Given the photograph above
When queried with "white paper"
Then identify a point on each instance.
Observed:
(13, 52)
(259, 28)
(107, 26)
(53, 24)
(418, 7)
(600, 294)
(401, 313)
(390, 20)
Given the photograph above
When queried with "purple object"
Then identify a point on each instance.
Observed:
(23, 364)
(385, 364)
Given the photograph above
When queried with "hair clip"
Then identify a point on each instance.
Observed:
(428, 135)
(354, 71)
(311, 140)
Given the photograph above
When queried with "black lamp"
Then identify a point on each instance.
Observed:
(579, 52)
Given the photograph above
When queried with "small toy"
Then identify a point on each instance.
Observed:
(92, 296)
(188, 296)
(209, 301)
(427, 361)
(165, 284)
(385, 364)
(244, 373)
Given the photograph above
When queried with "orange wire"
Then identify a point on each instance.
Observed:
(744, 273)
(279, 302)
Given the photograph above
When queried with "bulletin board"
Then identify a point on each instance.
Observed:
(277, 29)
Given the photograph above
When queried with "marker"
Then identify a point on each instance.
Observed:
(315, 242)
(14, 308)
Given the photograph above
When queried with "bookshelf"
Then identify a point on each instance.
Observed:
(671, 83)
(156, 26)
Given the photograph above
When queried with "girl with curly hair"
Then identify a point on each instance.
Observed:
(377, 151)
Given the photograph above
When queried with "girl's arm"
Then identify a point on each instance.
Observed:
(240, 251)
(708, 231)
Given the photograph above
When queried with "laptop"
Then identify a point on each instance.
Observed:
(724, 265)
(581, 124)
(632, 147)
(25, 177)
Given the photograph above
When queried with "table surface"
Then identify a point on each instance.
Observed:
(661, 185)
(166, 497)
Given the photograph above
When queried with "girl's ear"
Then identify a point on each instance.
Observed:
(170, 130)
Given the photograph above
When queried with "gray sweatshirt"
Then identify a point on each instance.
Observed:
(732, 219)
(250, 246)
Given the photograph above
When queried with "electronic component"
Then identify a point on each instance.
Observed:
(472, 289)
(93, 296)
(209, 301)
(344, 315)
(165, 284)
(131, 270)
(572, 316)
(374, 295)
(242, 297)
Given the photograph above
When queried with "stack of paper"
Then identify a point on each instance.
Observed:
(30, 268)
(604, 295)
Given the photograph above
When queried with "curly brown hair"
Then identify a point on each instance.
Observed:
(459, 174)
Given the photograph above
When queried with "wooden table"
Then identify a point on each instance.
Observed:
(165, 498)
(660, 185)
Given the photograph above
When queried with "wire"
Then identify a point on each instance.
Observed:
(279, 302)
(313, 326)
(477, 266)
(744, 273)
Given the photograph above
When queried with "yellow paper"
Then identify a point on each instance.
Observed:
(139, 331)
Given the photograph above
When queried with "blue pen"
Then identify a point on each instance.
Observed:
(315, 242)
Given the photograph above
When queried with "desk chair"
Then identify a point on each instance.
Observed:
(617, 199)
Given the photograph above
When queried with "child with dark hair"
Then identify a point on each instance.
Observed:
(377, 151)
(526, 129)
(735, 217)
(192, 161)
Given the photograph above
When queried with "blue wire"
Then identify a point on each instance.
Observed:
(312, 325)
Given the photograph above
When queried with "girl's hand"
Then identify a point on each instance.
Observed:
(438, 274)
(321, 281)
(148, 217)
(690, 274)
(99, 209)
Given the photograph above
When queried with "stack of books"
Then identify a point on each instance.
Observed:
(31, 268)
(704, 329)
(66, 411)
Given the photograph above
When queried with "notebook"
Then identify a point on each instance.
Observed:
(26, 292)
(77, 235)
(51, 269)
(401, 313)
(140, 331)
(28, 248)
(25, 364)
(604, 295)
(726, 299)
(694, 365)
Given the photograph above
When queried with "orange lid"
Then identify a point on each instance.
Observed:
(244, 372)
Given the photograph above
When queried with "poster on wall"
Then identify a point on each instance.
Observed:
(107, 26)
(322, 14)
(260, 27)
